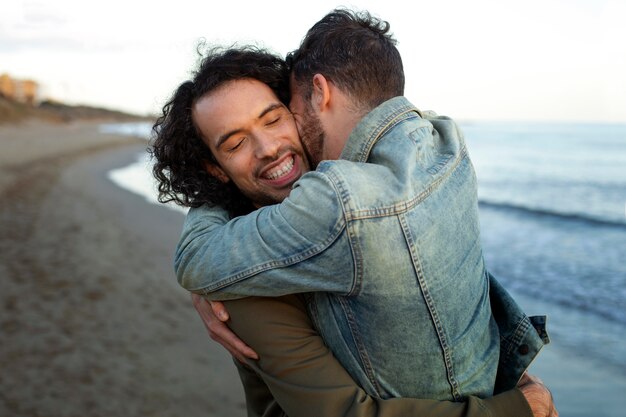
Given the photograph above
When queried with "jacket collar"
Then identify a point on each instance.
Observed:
(373, 126)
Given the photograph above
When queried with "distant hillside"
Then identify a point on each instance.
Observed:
(14, 112)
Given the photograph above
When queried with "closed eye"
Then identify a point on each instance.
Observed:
(273, 121)
(234, 148)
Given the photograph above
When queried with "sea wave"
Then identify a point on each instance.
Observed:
(139, 129)
(542, 212)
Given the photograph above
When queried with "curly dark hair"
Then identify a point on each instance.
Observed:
(177, 148)
(354, 50)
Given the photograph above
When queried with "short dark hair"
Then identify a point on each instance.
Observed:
(177, 147)
(356, 52)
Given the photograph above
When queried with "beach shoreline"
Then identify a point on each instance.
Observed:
(93, 321)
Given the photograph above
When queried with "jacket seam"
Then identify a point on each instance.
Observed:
(400, 208)
(357, 258)
(385, 125)
(516, 337)
(443, 340)
(360, 346)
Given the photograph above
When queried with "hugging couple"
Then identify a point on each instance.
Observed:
(334, 229)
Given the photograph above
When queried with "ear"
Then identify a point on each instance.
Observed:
(320, 98)
(216, 171)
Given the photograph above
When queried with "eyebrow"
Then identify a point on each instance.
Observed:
(223, 138)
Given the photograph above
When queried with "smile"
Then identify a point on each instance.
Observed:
(281, 170)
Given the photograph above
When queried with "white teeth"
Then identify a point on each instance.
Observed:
(280, 170)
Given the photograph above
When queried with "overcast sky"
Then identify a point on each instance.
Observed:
(545, 60)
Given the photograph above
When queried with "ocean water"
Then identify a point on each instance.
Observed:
(137, 176)
(553, 224)
(552, 201)
(553, 217)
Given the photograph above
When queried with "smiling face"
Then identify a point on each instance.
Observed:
(254, 139)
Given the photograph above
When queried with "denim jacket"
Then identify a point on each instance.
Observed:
(386, 241)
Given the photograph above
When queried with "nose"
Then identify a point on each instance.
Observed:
(267, 146)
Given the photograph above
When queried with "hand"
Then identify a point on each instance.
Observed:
(214, 316)
(538, 396)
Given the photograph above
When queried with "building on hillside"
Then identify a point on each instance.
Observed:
(7, 86)
(23, 91)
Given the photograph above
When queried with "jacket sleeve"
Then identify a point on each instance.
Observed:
(263, 253)
(259, 399)
(521, 337)
(305, 379)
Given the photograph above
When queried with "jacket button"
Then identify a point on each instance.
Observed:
(523, 349)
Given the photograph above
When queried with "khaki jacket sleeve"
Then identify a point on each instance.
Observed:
(298, 371)
(259, 400)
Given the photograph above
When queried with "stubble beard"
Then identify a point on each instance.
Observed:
(312, 136)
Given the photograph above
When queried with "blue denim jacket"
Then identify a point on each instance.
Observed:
(387, 242)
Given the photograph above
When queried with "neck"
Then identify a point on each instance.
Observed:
(339, 127)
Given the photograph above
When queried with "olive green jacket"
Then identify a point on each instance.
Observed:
(298, 376)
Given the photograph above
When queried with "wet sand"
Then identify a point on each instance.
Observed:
(92, 321)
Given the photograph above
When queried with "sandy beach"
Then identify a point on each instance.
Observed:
(92, 321)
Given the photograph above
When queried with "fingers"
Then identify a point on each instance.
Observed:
(529, 379)
(204, 310)
(219, 331)
(219, 310)
(196, 299)
(554, 412)
(233, 343)
(538, 396)
(237, 354)
(525, 379)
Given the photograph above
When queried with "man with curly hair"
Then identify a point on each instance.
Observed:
(257, 153)
(185, 166)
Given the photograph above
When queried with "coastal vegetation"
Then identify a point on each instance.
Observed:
(13, 111)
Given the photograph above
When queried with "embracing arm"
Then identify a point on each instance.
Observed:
(263, 253)
(297, 371)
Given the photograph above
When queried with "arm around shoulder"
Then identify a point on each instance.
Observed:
(264, 252)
